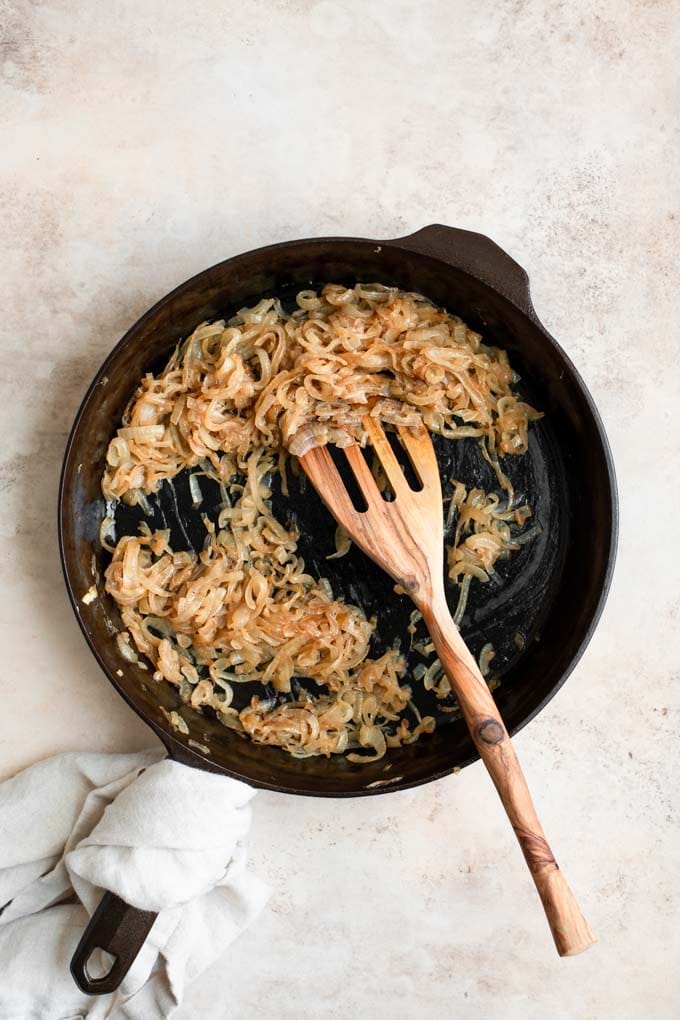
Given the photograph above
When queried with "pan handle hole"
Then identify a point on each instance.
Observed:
(99, 964)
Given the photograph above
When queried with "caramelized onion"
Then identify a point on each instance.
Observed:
(236, 399)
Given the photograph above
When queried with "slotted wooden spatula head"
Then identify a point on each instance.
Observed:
(404, 536)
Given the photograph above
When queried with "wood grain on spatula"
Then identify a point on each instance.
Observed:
(406, 538)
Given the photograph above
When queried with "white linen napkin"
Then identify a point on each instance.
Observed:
(163, 836)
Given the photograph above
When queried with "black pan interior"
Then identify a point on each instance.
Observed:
(538, 618)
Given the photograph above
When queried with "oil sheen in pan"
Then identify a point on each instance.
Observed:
(506, 611)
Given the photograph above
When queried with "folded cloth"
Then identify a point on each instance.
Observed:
(163, 836)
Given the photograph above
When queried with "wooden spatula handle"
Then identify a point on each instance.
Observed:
(570, 930)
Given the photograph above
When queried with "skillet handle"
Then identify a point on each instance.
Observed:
(476, 255)
(120, 930)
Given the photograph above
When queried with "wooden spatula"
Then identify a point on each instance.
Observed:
(406, 538)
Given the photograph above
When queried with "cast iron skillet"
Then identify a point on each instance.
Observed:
(539, 618)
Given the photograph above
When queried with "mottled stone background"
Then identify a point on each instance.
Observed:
(144, 141)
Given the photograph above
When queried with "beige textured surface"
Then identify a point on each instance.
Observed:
(144, 141)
